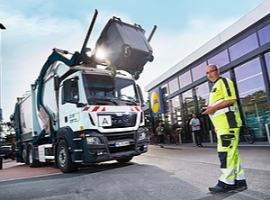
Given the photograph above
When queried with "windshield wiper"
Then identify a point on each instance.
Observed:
(130, 101)
(102, 100)
(113, 100)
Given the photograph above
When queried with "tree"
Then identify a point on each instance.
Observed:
(7, 133)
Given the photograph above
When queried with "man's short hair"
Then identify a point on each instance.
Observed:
(213, 65)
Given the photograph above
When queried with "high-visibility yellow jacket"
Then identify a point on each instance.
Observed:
(229, 117)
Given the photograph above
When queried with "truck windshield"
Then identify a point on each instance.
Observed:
(107, 90)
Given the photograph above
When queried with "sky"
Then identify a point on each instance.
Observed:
(35, 27)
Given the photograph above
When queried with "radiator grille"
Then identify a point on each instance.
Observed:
(121, 120)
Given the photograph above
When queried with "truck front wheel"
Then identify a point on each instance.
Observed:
(64, 159)
(124, 160)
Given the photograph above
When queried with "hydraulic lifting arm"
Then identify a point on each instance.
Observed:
(76, 59)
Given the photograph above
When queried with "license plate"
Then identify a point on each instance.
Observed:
(121, 144)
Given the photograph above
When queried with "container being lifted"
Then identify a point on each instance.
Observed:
(124, 47)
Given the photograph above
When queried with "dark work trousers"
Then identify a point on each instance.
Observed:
(161, 139)
(198, 137)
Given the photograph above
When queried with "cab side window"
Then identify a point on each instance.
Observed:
(70, 91)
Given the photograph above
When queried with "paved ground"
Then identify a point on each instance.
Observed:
(171, 173)
(12, 170)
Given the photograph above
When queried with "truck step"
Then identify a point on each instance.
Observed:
(77, 139)
(49, 157)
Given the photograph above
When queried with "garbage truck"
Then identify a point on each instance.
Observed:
(84, 108)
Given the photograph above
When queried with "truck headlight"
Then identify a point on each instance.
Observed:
(142, 136)
(93, 140)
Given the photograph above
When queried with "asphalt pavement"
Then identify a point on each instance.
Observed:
(199, 167)
(166, 173)
(13, 170)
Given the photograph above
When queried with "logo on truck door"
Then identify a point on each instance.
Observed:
(75, 117)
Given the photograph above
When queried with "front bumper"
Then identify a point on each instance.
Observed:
(109, 149)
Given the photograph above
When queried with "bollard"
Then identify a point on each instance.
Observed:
(267, 132)
(211, 136)
(180, 138)
(193, 138)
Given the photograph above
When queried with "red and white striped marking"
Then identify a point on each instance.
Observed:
(104, 109)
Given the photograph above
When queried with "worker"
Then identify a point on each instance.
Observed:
(224, 114)
(196, 129)
(160, 132)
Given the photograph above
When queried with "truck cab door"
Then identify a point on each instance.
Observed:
(70, 106)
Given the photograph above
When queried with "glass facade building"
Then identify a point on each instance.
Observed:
(243, 55)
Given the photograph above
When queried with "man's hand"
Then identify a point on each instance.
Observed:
(209, 110)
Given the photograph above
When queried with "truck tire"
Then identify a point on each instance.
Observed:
(125, 159)
(30, 157)
(64, 159)
(24, 155)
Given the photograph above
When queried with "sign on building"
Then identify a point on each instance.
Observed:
(156, 102)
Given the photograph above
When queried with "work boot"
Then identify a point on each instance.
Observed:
(221, 188)
(240, 185)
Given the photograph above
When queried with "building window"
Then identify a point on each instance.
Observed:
(164, 89)
(264, 35)
(173, 85)
(220, 59)
(267, 60)
(243, 47)
(252, 94)
(176, 110)
(185, 79)
(166, 106)
(202, 92)
(226, 75)
(198, 71)
(176, 102)
(188, 104)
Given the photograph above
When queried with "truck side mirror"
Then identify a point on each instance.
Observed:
(140, 95)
